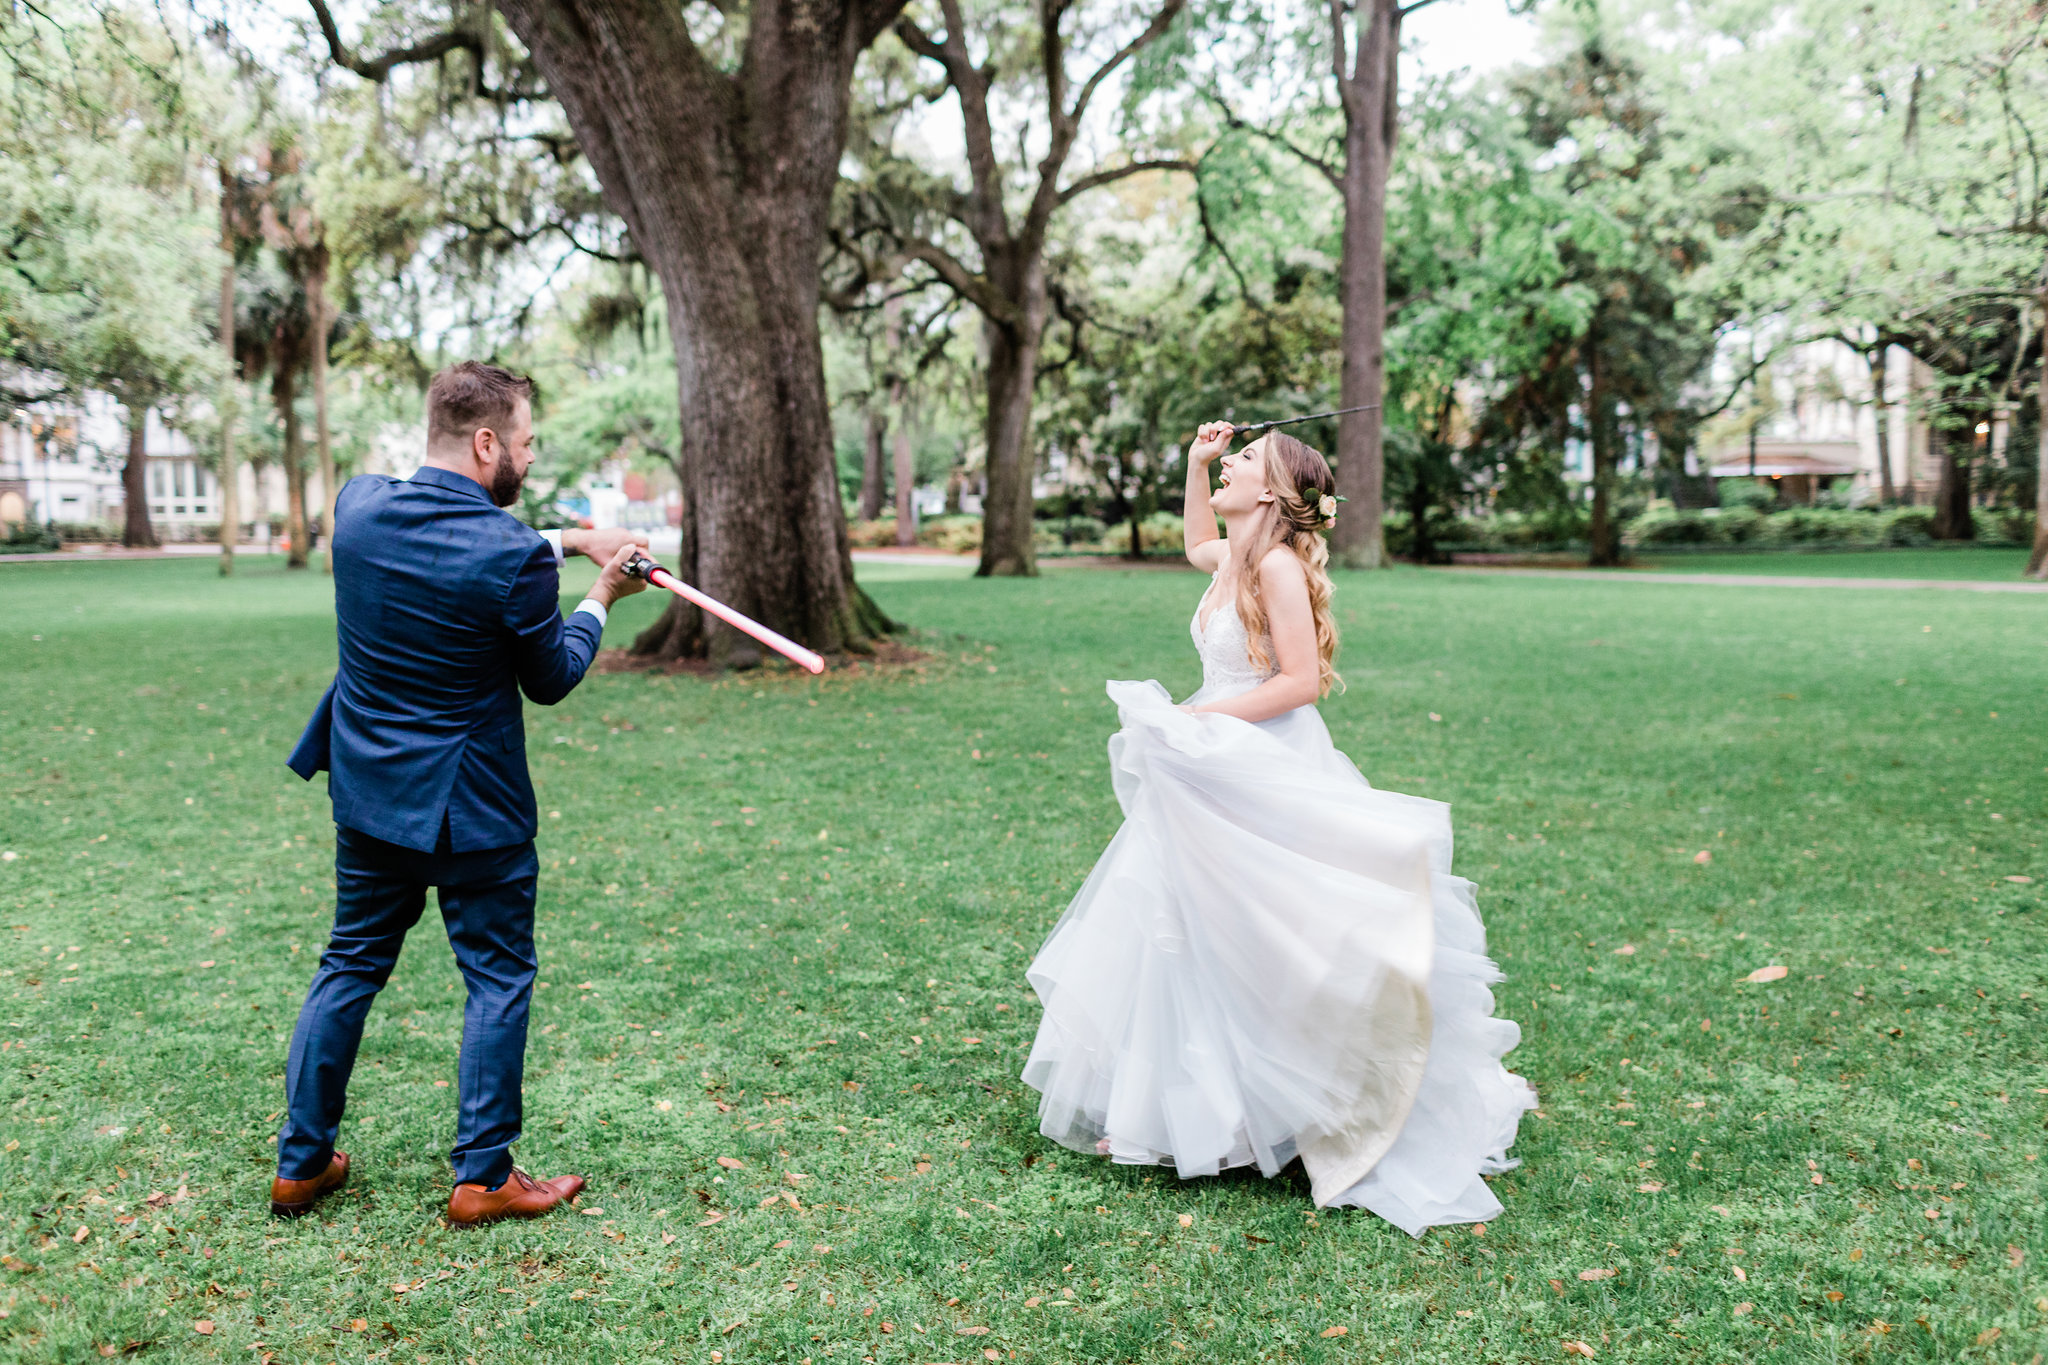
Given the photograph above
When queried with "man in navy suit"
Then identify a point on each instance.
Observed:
(447, 608)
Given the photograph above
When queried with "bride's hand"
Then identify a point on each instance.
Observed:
(1211, 440)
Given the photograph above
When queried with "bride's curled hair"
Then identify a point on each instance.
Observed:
(1299, 479)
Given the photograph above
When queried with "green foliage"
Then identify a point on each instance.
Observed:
(110, 267)
(1749, 524)
(30, 538)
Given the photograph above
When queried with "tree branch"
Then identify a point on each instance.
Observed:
(1161, 21)
(960, 279)
(1096, 179)
(379, 68)
(1330, 171)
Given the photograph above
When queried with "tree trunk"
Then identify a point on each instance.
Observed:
(1952, 520)
(1882, 410)
(2037, 562)
(1369, 98)
(230, 476)
(871, 461)
(137, 531)
(905, 470)
(906, 477)
(1006, 550)
(316, 304)
(284, 392)
(1602, 535)
(724, 181)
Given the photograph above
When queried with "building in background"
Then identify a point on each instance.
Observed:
(61, 463)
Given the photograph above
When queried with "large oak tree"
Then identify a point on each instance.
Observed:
(716, 136)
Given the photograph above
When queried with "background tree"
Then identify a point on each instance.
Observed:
(108, 271)
(1006, 214)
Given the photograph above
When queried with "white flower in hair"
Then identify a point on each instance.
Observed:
(1327, 509)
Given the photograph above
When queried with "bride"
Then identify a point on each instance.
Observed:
(1273, 958)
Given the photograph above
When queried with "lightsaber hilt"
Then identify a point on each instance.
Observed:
(1290, 421)
(640, 566)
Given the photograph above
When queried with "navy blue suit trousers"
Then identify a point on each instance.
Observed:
(380, 889)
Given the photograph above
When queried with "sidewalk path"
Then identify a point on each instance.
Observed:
(1735, 580)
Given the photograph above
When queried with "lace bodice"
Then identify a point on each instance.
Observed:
(1225, 649)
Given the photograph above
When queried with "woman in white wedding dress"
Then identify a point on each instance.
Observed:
(1273, 958)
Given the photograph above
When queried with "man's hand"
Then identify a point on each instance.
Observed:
(614, 582)
(602, 546)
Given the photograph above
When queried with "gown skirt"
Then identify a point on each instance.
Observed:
(1273, 959)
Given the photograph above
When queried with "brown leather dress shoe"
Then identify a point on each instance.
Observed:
(290, 1198)
(521, 1196)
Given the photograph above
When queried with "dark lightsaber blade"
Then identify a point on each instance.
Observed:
(1290, 421)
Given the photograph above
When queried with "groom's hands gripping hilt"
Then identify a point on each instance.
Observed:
(639, 566)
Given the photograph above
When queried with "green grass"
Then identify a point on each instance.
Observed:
(1991, 563)
(780, 912)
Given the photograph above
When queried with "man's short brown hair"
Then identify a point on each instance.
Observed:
(466, 397)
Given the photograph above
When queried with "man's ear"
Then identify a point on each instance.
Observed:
(481, 442)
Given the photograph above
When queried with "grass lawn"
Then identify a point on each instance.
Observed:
(785, 922)
(1991, 563)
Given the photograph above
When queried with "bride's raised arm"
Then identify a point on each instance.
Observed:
(1205, 549)
(1291, 623)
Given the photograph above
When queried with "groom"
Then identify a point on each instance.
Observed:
(447, 609)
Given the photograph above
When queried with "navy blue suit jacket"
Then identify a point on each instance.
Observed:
(447, 609)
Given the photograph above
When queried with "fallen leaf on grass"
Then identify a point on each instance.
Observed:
(1187, 1220)
(1625, 950)
(1260, 1241)
(203, 1327)
(717, 1217)
(731, 1163)
(1578, 1348)
(668, 1237)
(2015, 1257)
(591, 1213)
(1558, 1285)
(1649, 1187)
(2022, 881)
(1703, 857)
(1721, 1209)
(1989, 1335)
(1601, 1274)
(1743, 1308)
(1335, 1332)
(1834, 1296)
(1740, 1274)
(81, 1234)
(971, 1331)
(359, 1325)
(1772, 973)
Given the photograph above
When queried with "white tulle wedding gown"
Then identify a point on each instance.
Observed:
(1274, 959)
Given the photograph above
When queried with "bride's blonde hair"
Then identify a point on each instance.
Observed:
(1300, 481)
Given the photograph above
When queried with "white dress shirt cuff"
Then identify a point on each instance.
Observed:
(554, 540)
(594, 607)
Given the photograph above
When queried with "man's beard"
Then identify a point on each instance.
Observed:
(506, 483)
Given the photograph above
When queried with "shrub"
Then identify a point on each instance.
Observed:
(31, 538)
(872, 535)
(1752, 493)
(1067, 533)
(1163, 532)
(960, 534)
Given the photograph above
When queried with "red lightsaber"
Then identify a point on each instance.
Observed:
(640, 566)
